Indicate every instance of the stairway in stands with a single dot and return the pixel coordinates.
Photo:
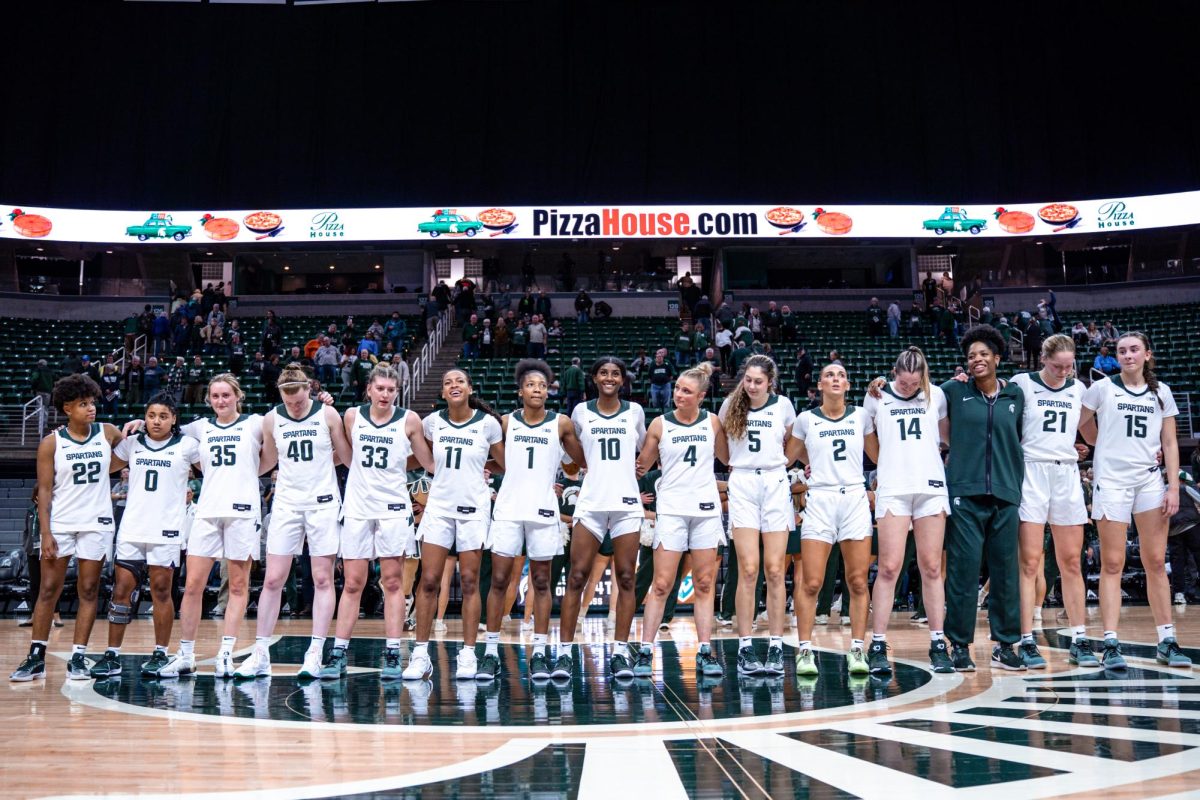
(431, 388)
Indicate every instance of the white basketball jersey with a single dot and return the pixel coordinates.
(1051, 418)
(532, 455)
(82, 498)
(766, 430)
(835, 446)
(688, 486)
(229, 458)
(1129, 430)
(306, 475)
(460, 452)
(610, 445)
(156, 506)
(377, 485)
(910, 461)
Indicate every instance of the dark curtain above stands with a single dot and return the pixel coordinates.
(131, 104)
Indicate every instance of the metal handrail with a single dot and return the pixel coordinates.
(35, 407)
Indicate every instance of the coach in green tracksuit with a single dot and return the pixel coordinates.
(984, 476)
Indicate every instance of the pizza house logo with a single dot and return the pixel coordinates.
(1114, 214)
(619, 222)
(326, 225)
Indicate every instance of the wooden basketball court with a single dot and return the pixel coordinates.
(1059, 732)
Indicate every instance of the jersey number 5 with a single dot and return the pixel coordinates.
(755, 444)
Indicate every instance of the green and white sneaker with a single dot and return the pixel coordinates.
(806, 662)
(334, 666)
(856, 662)
(643, 662)
(158, 659)
(539, 667)
(774, 664)
(77, 668)
(311, 668)
(939, 658)
(1112, 658)
(748, 663)
(877, 658)
(1169, 653)
(619, 666)
(108, 666)
(707, 663)
(32, 668)
(488, 668)
(392, 671)
(1030, 656)
(1081, 654)
(564, 667)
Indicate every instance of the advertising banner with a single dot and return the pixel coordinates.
(796, 221)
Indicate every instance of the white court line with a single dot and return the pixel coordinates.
(850, 774)
(632, 761)
(1120, 773)
(1129, 682)
(1069, 728)
(505, 755)
(1113, 697)
(1083, 708)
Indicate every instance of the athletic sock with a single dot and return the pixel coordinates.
(316, 643)
(116, 651)
(187, 647)
(491, 643)
(1079, 632)
(776, 641)
(227, 643)
(878, 637)
(1166, 631)
(646, 647)
(342, 643)
(805, 645)
(1026, 638)
(421, 649)
(856, 643)
(746, 641)
(621, 648)
(392, 644)
(705, 647)
(160, 648)
(539, 644)
(1110, 634)
(936, 636)
(78, 649)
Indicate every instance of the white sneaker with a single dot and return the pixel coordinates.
(822, 619)
(419, 668)
(1180, 600)
(1037, 614)
(845, 620)
(526, 626)
(224, 666)
(439, 625)
(311, 668)
(257, 665)
(468, 665)
(178, 665)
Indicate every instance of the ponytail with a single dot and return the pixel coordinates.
(473, 400)
(912, 361)
(701, 375)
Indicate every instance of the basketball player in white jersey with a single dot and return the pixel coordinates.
(611, 431)
(830, 439)
(227, 518)
(377, 518)
(75, 518)
(688, 513)
(307, 439)
(152, 531)
(463, 438)
(904, 443)
(757, 423)
(525, 516)
(1052, 493)
(1130, 417)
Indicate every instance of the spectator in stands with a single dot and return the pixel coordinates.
(602, 310)
(176, 379)
(1095, 337)
(1033, 343)
(503, 338)
(700, 340)
(110, 388)
(556, 330)
(929, 288)
(160, 331)
(326, 362)
(1109, 333)
(641, 363)
(804, 370)
(835, 357)
(153, 379)
(376, 329)
(402, 369)
(537, 337)
(685, 348)
(742, 333)
(296, 356)
(572, 382)
(1079, 333)
(395, 330)
(237, 354)
(71, 364)
(755, 323)
(946, 325)
(741, 352)
(216, 317)
(947, 286)
(371, 344)
(502, 300)
(723, 340)
(270, 379)
(583, 307)
(772, 322)
(41, 380)
(133, 379)
(272, 334)
(661, 375)
(441, 296)
(915, 324)
(1106, 363)
(258, 364)
(526, 306)
(725, 315)
(703, 309)
(520, 339)
(86, 367)
(813, 397)
(470, 333)
(1045, 324)
(196, 340)
(361, 373)
(197, 381)
(543, 306)
(893, 319)
(486, 339)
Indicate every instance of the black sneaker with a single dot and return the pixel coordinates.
(32, 668)
(960, 657)
(939, 659)
(1005, 657)
(564, 666)
(748, 663)
(488, 669)
(77, 668)
(107, 667)
(877, 660)
(619, 666)
(774, 663)
(157, 661)
(539, 667)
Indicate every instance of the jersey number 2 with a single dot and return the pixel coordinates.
(85, 473)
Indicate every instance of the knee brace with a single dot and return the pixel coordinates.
(119, 614)
(135, 568)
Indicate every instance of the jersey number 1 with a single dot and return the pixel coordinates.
(453, 457)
